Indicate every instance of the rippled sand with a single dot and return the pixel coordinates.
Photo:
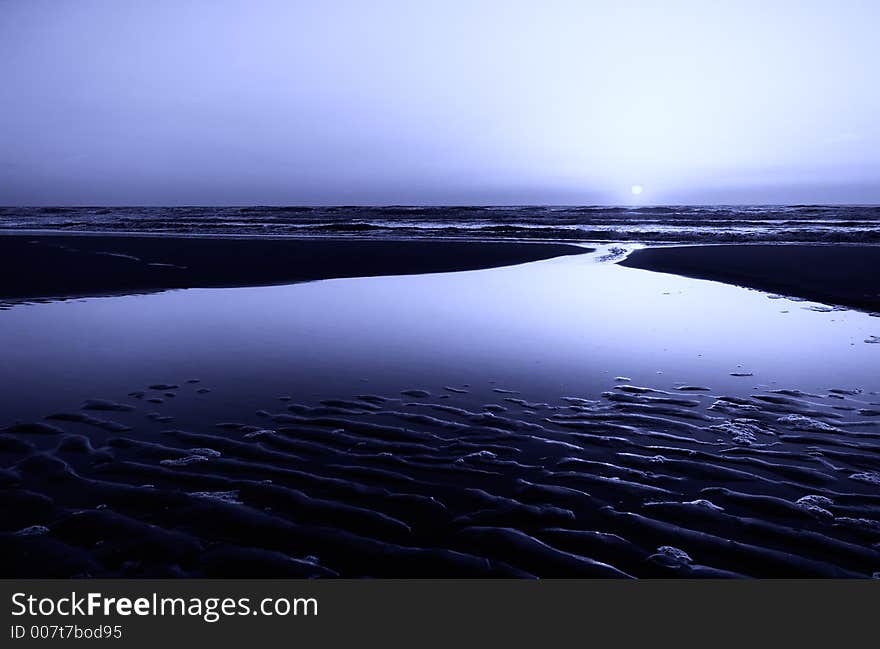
(635, 481)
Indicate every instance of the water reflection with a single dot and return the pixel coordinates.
(554, 328)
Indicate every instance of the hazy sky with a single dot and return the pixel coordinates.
(414, 101)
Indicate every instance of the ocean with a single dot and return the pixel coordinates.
(658, 224)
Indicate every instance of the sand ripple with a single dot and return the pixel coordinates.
(637, 482)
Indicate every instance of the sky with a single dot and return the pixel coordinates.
(210, 102)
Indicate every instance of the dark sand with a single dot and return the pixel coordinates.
(643, 483)
(841, 275)
(34, 266)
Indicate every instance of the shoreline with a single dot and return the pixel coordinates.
(77, 265)
(841, 275)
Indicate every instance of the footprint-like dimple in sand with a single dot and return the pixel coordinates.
(107, 405)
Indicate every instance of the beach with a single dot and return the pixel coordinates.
(845, 275)
(436, 409)
(40, 265)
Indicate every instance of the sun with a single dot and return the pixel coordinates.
(635, 190)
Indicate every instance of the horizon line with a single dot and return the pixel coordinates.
(429, 205)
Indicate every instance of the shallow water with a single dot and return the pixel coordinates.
(562, 327)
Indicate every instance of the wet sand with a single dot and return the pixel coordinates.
(33, 266)
(640, 482)
(451, 478)
(844, 275)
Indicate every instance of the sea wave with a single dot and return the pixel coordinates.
(648, 224)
